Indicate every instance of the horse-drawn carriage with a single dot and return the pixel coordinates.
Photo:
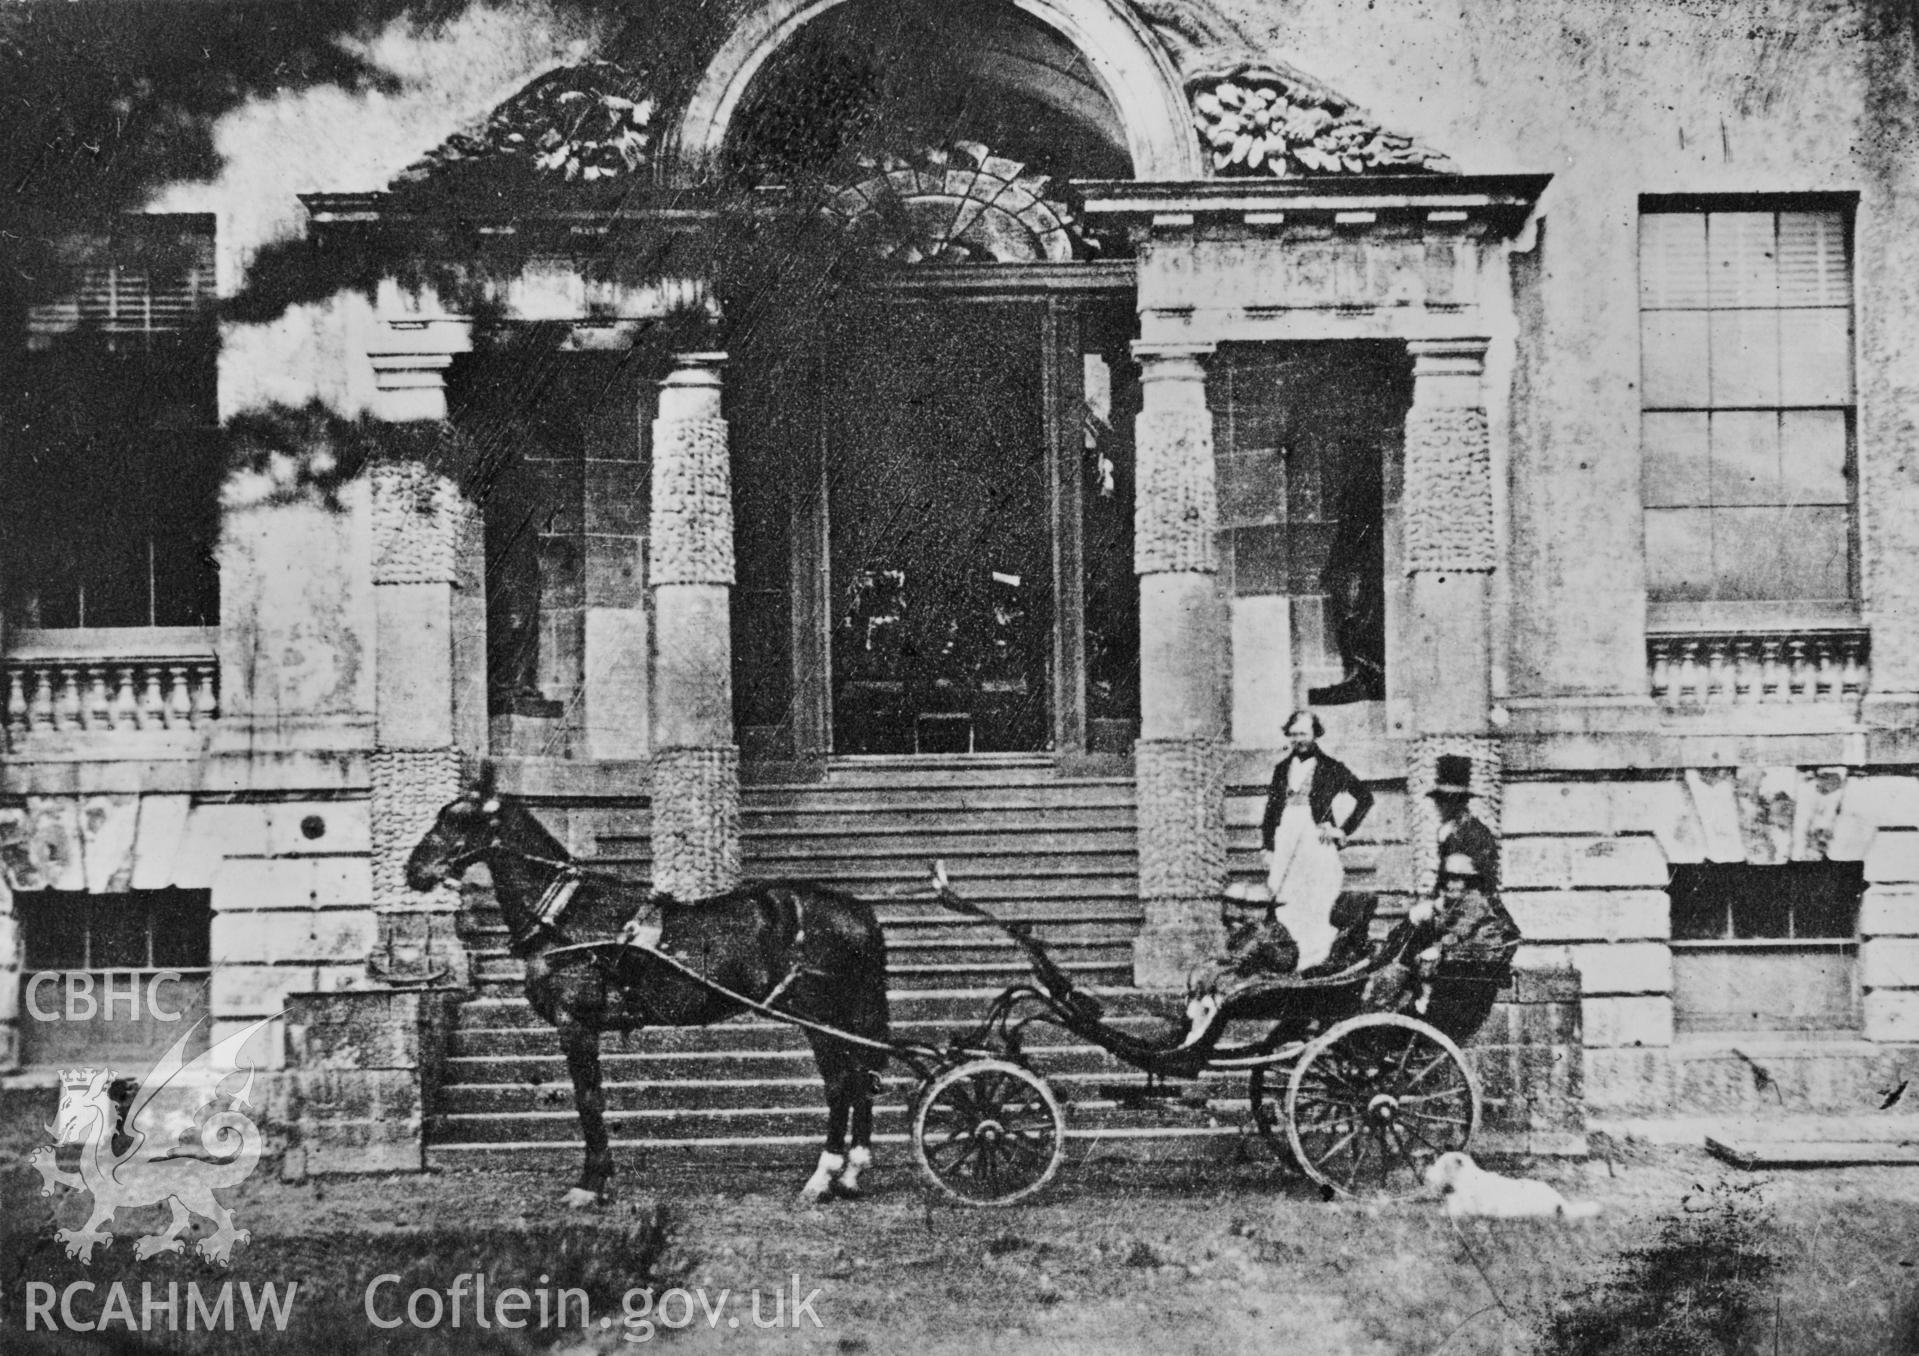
(1356, 1073)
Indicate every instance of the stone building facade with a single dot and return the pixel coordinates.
(1617, 391)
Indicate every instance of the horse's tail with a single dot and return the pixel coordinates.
(853, 961)
(950, 898)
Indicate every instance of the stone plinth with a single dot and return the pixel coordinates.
(365, 1066)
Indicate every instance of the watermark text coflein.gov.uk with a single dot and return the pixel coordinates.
(469, 1302)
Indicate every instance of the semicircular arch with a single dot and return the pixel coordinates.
(1133, 68)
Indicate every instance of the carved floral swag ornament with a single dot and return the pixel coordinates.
(1262, 119)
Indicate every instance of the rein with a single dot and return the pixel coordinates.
(571, 875)
(791, 1019)
(557, 897)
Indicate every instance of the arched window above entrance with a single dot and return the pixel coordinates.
(875, 78)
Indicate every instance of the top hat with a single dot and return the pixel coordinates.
(1455, 776)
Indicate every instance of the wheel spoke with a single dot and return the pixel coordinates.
(1407, 1155)
(1359, 1157)
(1450, 1094)
(1441, 1060)
(1411, 1130)
(967, 1154)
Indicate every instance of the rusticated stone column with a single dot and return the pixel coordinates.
(696, 764)
(1180, 767)
(1450, 553)
(421, 523)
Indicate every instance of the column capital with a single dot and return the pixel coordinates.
(1170, 361)
(696, 369)
(1460, 357)
(411, 387)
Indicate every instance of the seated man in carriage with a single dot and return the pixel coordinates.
(1465, 922)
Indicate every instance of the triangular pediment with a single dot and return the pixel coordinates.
(579, 124)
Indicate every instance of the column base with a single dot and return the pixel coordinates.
(696, 820)
(1178, 937)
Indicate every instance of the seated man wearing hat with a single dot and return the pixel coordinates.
(1466, 915)
(1458, 830)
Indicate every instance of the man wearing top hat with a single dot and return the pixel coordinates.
(1459, 832)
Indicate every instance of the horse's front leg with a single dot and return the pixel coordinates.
(581, 1043)
(834, 1071)
(860, 1157)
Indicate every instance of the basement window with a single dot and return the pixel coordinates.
(111, 978)
(1766, 949)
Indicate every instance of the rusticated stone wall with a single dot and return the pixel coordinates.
(692, 523)
(1449, 489)
(696, 820)
(1176, 514)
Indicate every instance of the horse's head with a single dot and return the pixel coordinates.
(465, 830)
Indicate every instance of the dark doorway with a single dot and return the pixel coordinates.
(940, 542)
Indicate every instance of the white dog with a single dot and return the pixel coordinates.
(1470, 1190)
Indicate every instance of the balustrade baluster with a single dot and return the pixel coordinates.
(43, 716)
(206, 701)
(1692, 678)
(1661, 676)
(97, 714)
(1853, 677)
(67, 700)
(1827, 677)
(1743, 670)
(1771, 680)
(153, 706)
(1718, 681)
(16, 700)
(1799, 680)
(179, 697)
(126, 706)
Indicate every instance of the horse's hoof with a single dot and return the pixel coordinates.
(579, 1198)
(842, 1192)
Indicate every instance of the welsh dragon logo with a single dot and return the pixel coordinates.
(183, 1136)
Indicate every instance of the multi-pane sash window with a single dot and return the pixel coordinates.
(154, 277)
(108, 435)
(1746, 402)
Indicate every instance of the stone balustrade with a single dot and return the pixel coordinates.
(75, 682)
(1729, 668)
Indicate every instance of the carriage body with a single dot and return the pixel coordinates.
(1357, 1076)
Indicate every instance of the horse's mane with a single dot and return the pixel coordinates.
(522, 821)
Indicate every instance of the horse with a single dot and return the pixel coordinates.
(808, 952)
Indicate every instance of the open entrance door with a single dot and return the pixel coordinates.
(933, 526)
(940, 538)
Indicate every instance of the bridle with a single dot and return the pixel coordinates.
(556, 898)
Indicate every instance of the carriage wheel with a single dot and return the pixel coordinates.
(1265, 1097)
(989, 1132)
(1264, 1103)
(1375, 1100)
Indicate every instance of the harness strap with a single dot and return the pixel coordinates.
(557, 897)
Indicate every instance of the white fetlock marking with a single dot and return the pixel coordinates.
(831, 1165)
(579, 1198)
(857, 1161)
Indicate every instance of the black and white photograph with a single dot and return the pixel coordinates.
(927, 677)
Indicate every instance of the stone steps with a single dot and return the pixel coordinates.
(1059, 854)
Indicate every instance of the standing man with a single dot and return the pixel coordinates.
(1309, 778)
(1314, 805)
